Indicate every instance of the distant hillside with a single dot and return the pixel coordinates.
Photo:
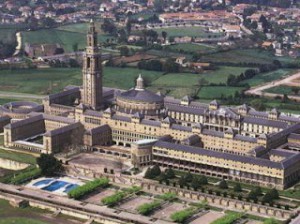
(277, 3)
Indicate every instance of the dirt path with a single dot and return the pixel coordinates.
(19, 45)
(292, 80)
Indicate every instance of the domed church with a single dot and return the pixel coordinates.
(140, 100)
(238, 143)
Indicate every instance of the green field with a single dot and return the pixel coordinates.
(39, 81)
(124, 78)
(66, 36)
(44, 81)
(7, 35)
(281, 90)
(244, 56)
(268, 77)
(189, 80)
(215, 92)
(191, 48)
(186, 31)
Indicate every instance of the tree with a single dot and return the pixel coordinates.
(108, 26)
(203, 180)
(188, 177)
(148, 173)
(252, 195)
(164, 34)
(170, 173)
(162, 177)
(285, 98)
(49, 165)
(196, 183)
(274, 193)
(237, 187)
(267, 198)
(258, 191)
(170, 66)
(156, 170)
(124, 51)
(295, 90)
(223, 184)
(181, 182)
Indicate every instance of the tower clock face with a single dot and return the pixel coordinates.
(88, 76)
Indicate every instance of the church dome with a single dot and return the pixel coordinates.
(140, 100)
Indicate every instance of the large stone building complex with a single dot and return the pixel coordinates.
(146, 128)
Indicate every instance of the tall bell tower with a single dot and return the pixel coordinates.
(92, 71)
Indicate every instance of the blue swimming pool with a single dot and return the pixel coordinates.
(55, 185)
(42, 182)
(70, 187)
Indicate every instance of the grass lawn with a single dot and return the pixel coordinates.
(17, 156)
(268, 77)
(64, 37)
(215, 92)
(245, 56)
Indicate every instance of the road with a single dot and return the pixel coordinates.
(292, 80)
(13, 95)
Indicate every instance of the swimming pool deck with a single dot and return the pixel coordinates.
(59, 191)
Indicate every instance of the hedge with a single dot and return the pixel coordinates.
(25, 176)
(87, 188)
(168, 196)
(114, 199)
(147, 208)
(229, 218)
(182, 216)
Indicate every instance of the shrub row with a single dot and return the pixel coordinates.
(29, 174)
(114, 199)
(87, 188)
(147, 208)
(182, 216)
(231, 217)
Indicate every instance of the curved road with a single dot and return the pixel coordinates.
(293, 80)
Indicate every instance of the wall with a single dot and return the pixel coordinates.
(12, 165)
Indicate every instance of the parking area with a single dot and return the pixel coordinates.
(166, 211)
(97, 197)
(133, 203)
(208, 217)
